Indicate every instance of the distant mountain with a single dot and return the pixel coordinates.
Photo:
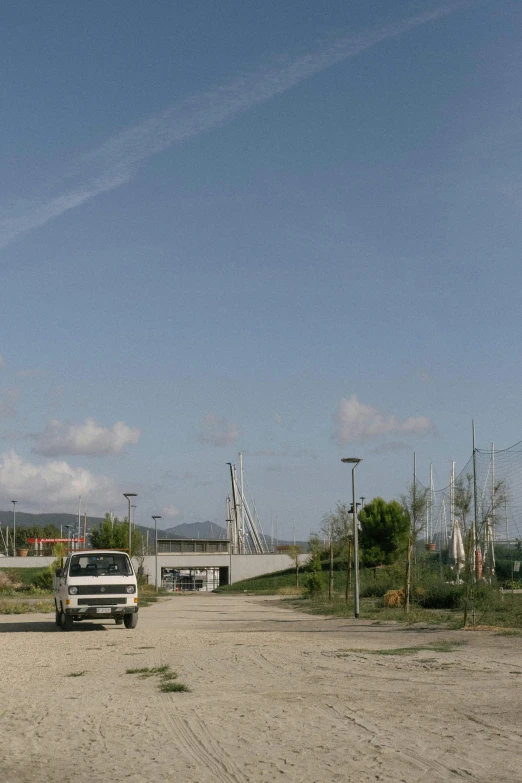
(211, 530)
(186, 530)
(60, 521)
(196, 530)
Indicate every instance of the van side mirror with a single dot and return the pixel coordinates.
(59, 572)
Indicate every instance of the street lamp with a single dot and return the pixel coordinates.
(130, 495)
(156, 551)
(133, 517)
(355, 461)
(14, 502)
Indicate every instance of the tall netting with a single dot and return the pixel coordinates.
(497, 477)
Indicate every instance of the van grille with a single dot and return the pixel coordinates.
(99, 601)
(97, 589)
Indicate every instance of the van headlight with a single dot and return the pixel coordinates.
(73, 590)
(130, 589)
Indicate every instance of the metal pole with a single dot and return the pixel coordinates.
(355, 461)
(79, 520)
(130, 495)
(474, 565)
(14, 502)
(355, 548)
(155, 518)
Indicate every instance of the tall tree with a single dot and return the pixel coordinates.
(463, 495)
(113, 534)
(384, 531)
(414, 503)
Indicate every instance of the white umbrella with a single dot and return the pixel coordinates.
(456, 548)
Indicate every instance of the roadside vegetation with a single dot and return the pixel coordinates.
(400, 580)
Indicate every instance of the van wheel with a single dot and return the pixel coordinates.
(130, 620)
(119, 620)
(66, 621)
(57, 618)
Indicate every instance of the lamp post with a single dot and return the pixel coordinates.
(133, 517)
(354, 461)
(68, 528)
(156, 551)
(130, 495)
(14, 502)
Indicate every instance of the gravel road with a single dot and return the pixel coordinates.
(275, 695)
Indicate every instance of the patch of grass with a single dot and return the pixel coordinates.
(510, 632)
(269, 584)
(169, 676)
(372, 609)
(148, 671)
(76, 674)
(24, 607)
(173, 687)
(443, 647)
(168, 679)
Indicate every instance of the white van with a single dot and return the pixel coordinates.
(96, 585)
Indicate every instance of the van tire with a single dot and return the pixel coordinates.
(130, 620)
(66, 621)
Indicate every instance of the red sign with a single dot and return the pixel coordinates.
(55, 540)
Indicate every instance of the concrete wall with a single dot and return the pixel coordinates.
(26, 562)
(242, 566)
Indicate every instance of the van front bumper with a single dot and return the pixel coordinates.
(100, 610)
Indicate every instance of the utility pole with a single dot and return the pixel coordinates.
(155, 518)
(330, 576)
(14, 502)
(475, 499)
(79, 521)
(130, 495)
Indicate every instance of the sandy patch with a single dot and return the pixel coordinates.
(276, 695)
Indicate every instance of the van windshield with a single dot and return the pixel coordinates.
(105, 564)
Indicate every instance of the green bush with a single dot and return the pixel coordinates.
(439, 596)
(314, 584)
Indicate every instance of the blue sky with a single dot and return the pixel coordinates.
(290, 229)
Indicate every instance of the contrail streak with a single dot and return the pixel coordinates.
(116, 161)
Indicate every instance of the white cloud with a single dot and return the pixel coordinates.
(356, 421)
(170, 512)
(218, 431)
(8, 408)
(54, 486)
(88, 439)
(116, 162)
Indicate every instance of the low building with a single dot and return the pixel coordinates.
(204, 564)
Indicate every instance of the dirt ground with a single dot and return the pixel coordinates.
(276, 695)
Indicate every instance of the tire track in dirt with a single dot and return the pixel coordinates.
(203, 748)
(391, 745)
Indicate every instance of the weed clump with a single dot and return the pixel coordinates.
(167, 677)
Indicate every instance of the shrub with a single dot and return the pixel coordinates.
(393, 598)
(440, 596)
(314, 584)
